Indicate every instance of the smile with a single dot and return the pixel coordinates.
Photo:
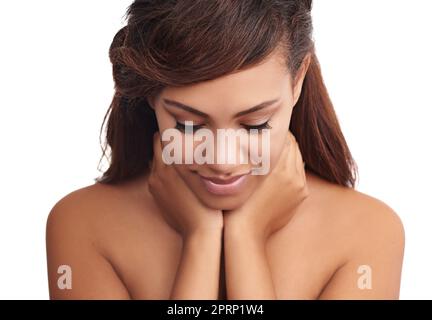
(224, 186)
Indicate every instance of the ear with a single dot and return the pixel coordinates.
(299, 78)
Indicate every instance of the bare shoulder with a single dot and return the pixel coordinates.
(100, 204)
(364, 219)
(370, 238)
(102, 208)
(85, 229)
(79, 206)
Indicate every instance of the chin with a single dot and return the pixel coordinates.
(224, 202)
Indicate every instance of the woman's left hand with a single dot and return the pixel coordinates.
(271, 206)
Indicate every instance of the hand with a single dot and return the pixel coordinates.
(181, 209)
(271, 206)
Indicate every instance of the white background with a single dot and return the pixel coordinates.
(56, 84)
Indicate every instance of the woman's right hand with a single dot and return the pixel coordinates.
(181, 208)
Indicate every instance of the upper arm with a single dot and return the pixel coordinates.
(373, 266)
(73, 258)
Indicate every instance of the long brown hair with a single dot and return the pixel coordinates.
(177, 43)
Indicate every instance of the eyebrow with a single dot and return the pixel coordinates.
(190, 109)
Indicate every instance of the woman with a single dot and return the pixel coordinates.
(151, 230)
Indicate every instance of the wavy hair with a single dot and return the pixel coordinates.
(178, 43)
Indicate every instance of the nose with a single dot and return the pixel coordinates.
(224, 168)
(229, 157)
(224, 171)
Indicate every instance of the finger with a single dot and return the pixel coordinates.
(300, 164)
(157, 152)
(290, 137)
(292, 153)
(283, 157)
(298, 159)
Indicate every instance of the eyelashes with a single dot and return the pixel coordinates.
(182, 127)
(258, 127)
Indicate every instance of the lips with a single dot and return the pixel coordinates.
(223, 181)
(219, 186)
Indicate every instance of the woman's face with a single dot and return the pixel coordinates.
(226, 103)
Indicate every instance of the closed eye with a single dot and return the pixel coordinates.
(258, 127)
(182, 126)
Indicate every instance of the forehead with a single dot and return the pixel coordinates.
(235, 91)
